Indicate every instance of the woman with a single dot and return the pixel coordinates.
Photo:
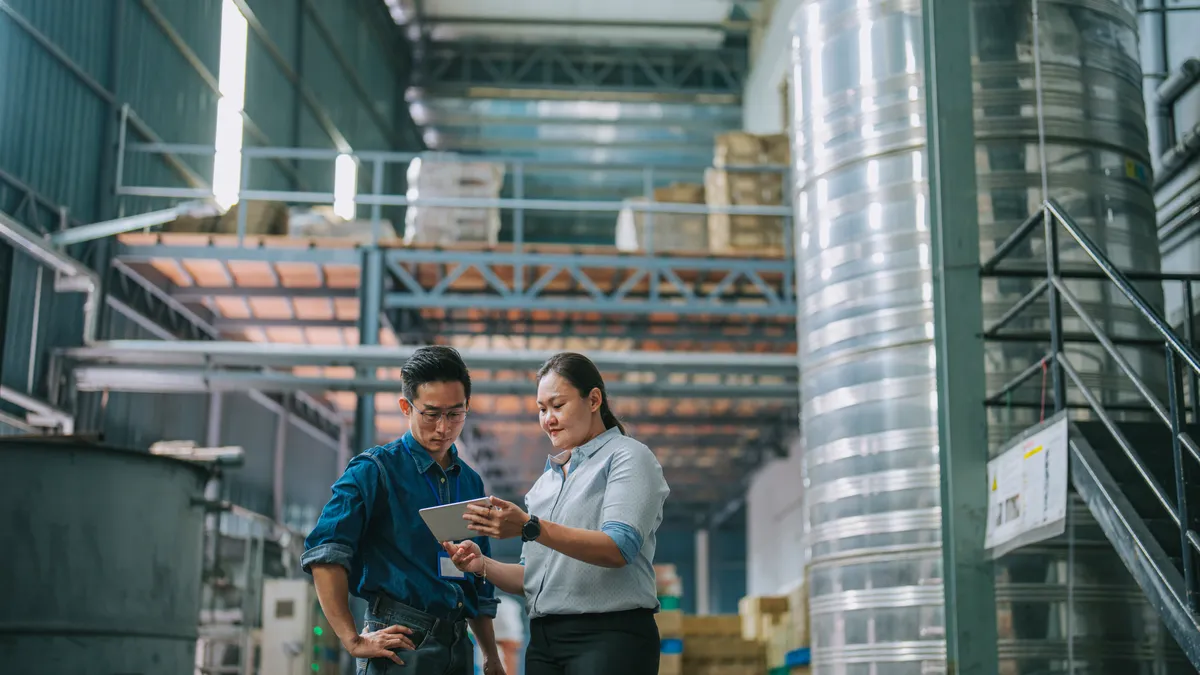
(587, 563)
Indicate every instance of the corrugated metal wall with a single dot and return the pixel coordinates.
(727, 564)
(318, 74)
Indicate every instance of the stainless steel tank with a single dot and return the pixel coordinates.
(868, 387)
(102, 559)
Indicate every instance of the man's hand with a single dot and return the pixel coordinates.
(466, 556)
(493, 665)
(379, 644)
(501, 520)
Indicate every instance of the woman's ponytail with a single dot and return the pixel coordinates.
(606, 414)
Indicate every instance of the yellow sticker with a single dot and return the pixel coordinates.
(993, 485)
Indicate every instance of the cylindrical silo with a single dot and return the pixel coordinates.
(102, 562)
(868, 386)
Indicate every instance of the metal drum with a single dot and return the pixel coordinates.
(868, 385)
(102, 563)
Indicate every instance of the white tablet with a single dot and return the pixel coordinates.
(446, 522)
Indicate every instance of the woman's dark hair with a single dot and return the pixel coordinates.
(584, 376)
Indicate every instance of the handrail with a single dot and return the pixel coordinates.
(1123, 284)
(1172, 413)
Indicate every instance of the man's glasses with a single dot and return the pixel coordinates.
(431, 417)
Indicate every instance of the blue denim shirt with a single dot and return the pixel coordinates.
(372, 528)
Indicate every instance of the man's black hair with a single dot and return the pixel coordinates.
(434, 364)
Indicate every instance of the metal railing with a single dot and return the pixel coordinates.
(637, 184)
(1174, 414)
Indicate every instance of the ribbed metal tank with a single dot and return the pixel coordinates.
(102, 561)
(868, 386)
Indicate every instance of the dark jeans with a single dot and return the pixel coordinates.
(617, 643)
(443, 647)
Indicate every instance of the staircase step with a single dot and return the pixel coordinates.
(1166, 534)
(1152, 443)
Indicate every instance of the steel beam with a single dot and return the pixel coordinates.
(201, 293)
(370, 288)
(461, 66)
(278, 495)
(204, 354)
(968, 574)
(167, 380)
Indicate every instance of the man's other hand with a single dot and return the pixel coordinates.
(379, 644)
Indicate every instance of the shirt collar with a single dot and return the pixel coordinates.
(583, 452)
(421, 456)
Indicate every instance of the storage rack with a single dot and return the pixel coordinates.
(327, 317)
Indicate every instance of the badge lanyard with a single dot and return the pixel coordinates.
(437, 496)
(445, 568)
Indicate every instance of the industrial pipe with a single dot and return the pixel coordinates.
(1174, 159)
(1178, 83)
(1154, 66)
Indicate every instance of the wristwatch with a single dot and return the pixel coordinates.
(532, 529)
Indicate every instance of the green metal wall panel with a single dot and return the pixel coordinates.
(245, 423)
(309, 472)
(66, 69)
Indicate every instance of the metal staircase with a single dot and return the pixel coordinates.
(1136, 466)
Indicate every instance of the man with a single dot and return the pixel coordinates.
(371, 540)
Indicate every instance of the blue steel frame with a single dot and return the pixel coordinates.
(454, 67)
(770, 282)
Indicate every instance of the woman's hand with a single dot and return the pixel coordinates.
(466, 556)
(501, 520)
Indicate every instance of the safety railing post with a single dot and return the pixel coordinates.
(1189, 335)
(1050, 227)
(519, 228)
(1181, 482)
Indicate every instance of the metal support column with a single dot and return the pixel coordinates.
(6, 289)
(370, 304)
(343, 450)
(703, 574)
(968, 573)
(277, 482)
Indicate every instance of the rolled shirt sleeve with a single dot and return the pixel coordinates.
(339, 529)
(634, 495)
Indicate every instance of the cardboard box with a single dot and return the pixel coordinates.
(739, 148)
(729, 233)
(670, 664)
(262, 218)
(712, 626)
(670, 623)
(668, 231)
(798, 611)
(760, 614)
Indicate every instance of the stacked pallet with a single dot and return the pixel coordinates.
(669, 619)
(726, 185)
(780, 624)
(713, 645)
(667, 231)
(446, 176)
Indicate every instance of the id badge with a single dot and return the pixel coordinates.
(446, 568)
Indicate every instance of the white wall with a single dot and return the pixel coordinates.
(775, 528)
(1182, 254)
(762, 104)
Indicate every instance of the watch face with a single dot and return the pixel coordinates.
(530, 530)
